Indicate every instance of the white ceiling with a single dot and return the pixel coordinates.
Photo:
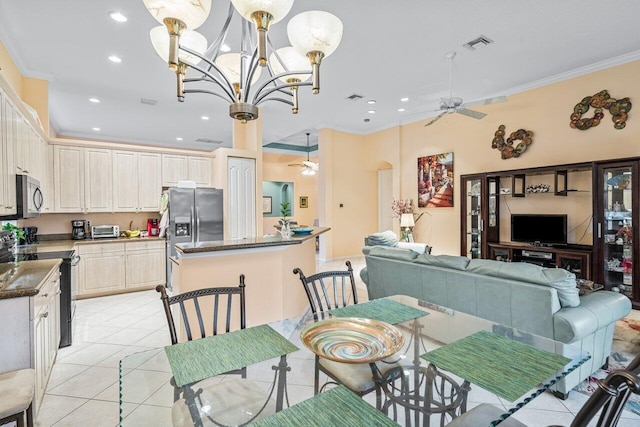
(389, 50)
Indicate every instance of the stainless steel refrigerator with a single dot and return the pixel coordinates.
(195, 215)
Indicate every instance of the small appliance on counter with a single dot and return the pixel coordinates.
(152, 227)
(105, 232)
(77, 230)
(30, 236)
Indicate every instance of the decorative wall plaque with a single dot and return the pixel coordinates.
(506, 147)
(600, 101)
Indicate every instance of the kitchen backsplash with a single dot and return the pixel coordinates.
(60, 223)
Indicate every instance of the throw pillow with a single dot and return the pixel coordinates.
(386, 238)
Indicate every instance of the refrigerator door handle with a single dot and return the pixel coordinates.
(197, 224)
(192, 229)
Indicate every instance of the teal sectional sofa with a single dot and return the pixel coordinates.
(543, 301)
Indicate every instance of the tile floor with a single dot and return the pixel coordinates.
(83, 389)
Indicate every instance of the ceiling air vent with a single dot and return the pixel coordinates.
(478, 42)
(147, 101)
(208, 141)
(355, 97)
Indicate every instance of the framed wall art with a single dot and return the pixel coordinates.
(267, 205)
(304, 201)
(435, 181)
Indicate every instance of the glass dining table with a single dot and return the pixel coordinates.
(442, 346)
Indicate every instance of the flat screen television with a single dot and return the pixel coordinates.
(539, 229)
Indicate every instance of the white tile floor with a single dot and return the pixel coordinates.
(83, 389)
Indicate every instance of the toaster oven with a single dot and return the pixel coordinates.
(105, 231)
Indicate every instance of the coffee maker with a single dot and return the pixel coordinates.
(152, 227)
(77, 229)
(30, 236)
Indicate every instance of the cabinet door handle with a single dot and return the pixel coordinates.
(599, 231)
(45, 295)
(44, 315)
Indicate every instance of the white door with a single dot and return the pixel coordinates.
(241, 193)
(385, 191)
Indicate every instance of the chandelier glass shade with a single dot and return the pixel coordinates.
(314, 35)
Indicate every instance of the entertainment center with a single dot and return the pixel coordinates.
(575, 216)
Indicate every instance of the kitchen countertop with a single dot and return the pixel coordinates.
(258, 242)
(25, 278)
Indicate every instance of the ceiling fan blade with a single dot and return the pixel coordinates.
(435, 119)
(296, 165)
(311, 165)
(470, 113)
(494, 100)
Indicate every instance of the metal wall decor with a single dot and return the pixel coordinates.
(506, 147)
(600, 101)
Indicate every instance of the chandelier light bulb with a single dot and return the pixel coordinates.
(229, 63)
(192, 13)
(193, 40)
(291, 60)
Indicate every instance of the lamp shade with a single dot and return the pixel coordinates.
(291, 61)
(192, 12)
(229, 64)
(189, 39)
(277, 8)
(406, 220)
(315, 30)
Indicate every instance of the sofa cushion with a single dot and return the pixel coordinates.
(445, 261)
(420, 248)
(393, 253)
(386, 238)
(563, 281)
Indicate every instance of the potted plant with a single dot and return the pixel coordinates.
(17, 232)
(285, 211)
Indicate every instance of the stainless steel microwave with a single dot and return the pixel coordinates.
(29, 198)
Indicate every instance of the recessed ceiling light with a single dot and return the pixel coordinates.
(96, 129)
(118, 17)
(114, 58)
(225, 48)
(94, 100)
(372, 101)
(401, 110)
(404, 99)
(371, 111)
(178, 139)
(205, 117)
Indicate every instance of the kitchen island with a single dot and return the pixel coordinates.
(273, 292)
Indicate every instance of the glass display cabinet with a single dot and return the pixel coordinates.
(617, 202)
(479, 214)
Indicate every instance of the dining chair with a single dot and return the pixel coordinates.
(326, 291)
(17, 389)
(606, 403)
(208, 312)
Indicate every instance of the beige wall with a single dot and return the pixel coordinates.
(9, 70)
(61, 223)
(275, 168)
(545, 111)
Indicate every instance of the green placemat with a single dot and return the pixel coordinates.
(383, 309)
(337, 407)
(199, 359)
(502, 366)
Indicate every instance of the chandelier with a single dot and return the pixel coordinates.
(314, 35)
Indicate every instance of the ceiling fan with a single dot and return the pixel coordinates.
(456, 105)
(307, 167)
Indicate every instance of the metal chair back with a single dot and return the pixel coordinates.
(191, 310)
(329, 289)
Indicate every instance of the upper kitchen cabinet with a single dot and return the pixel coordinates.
(98, 180)
(7, 157)
(137, 181)
(176, 168)
(68, 178)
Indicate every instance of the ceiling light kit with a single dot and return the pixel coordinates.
(314, 35)
(307, 167)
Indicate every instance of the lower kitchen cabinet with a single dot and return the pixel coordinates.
(115, 267)
(146, 264)
(31, 327)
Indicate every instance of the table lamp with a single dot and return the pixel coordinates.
(407, 223)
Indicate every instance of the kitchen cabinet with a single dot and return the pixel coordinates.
(146, 263)
(98, 180)
(7, 156)
(101, 268)
(118, 266)
(32, 333)
(137, 181)
(68, 177)
(176, 168)
(47, 183)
